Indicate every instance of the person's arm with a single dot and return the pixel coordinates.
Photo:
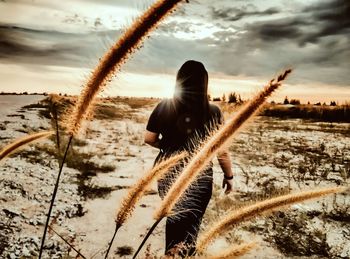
(152, 139)
(225, 164)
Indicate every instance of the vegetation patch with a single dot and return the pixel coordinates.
(293, 238)
(78, 161)
(327, 113)
(124, 250)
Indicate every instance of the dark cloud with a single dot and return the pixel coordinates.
(307, 24)
(51, 47)
(331, 18)
(277, 29)
(235, 14)
(14, 41)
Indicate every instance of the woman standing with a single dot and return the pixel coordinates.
(179, 124)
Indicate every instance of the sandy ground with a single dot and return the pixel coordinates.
(268, 151)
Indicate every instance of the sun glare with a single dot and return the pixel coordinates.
(167, 92)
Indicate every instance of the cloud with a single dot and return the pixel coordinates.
(52, 47)
(331, 18)
(253, 40)
(130, 3)
(312, 24)
(235, 13)
(278, 29)
(306, 24)
(314, 40)
(14, 42)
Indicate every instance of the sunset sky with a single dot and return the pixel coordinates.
(51, 46)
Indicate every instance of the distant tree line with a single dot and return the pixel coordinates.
(236, 99)
(231, 98)
(22, 93)
(297, 102)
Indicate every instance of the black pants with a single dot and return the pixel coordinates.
(182, 228)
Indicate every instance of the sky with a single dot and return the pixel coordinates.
(51, 46)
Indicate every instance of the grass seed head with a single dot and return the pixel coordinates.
(235, 251)
(22, 142)
(138, 190)
(254, 210)
(116, 56)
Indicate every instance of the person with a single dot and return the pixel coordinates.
(178, 124)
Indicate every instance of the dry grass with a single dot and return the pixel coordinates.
(117, 55)
(22, 142)
(235, 251)
(248, 212)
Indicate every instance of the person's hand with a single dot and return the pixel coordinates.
(228, 184)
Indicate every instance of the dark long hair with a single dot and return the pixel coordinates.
(191, 91)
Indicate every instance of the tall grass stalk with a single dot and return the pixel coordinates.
(116, 56)
(66, 241)
(206, 151)
(236, 251)
(55, 118)
(110, 63)
(138, 190)
(22, 142)
(54, 102)
(155, 224)
(269, 205)
(53, 197)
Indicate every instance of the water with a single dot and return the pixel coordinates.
(12, 103)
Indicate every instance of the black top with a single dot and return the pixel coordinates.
(181, 130)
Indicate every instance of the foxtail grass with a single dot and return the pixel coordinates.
(20, 143)
(210, 147)
(111, 62)
(236, 251)
(248, 212)
(142, 185)
(139, 189)
(117, 55)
